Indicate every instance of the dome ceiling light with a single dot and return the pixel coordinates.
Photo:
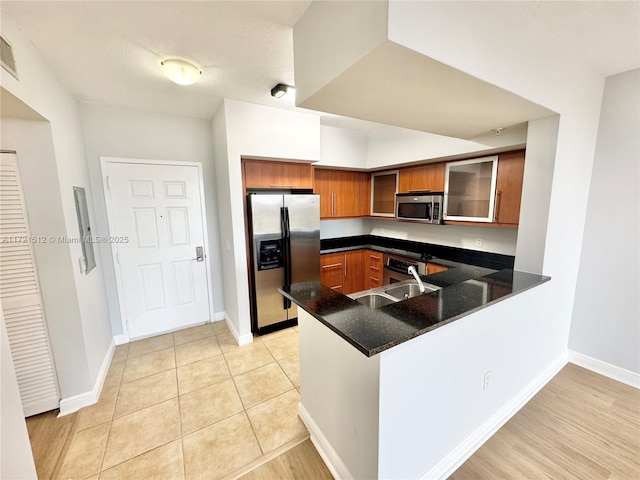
(180, 71)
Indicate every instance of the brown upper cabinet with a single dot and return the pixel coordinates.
(422, 178)
(269, 174)
(509, 187)
(342, 193)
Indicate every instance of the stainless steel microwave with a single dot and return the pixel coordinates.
(423, 207)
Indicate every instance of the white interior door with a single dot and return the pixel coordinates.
(163, 280)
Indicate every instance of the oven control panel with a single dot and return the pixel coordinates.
(400, 266)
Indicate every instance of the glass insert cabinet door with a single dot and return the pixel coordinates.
(384, 186)
(470, 189)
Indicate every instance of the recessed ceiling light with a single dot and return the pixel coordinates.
(282, 90)
(180, 71)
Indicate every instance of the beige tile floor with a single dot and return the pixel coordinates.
(190, 405)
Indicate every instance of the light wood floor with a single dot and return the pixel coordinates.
(50, 439)
(579, 426)
(302, 462)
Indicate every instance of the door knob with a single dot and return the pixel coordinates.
(199, 254)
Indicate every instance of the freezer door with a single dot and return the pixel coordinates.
(268, 259)
(304, 225)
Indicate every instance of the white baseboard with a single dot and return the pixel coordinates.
(607, 369)
(75, 403)
(218, 316)
(333, 461)
(121, 339)
(241, 339)
(454, 459)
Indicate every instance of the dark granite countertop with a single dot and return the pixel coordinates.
(374, 330)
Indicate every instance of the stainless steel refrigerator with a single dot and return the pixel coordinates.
(284, 239)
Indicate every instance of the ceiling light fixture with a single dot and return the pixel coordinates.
(180, 71)
(282, 90)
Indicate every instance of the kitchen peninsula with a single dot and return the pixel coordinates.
(384, 391)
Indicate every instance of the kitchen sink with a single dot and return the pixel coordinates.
(375, 300)
(388, 294)
(408, 290)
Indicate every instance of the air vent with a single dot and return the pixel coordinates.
(6, 57)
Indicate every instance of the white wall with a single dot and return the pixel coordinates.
(348, 227)
(606, 314)
(16, 459)
(124, 133)
(39, 89)
(429, 411)
(225, 222)
(342, 147)
(516, 47)
(339, 391)
(253, 131)
(495, 240)
(536, 193)
(368, 19)
(33, 142)
(392, 145)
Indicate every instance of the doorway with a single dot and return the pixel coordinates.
(21, 298)
(157, 233)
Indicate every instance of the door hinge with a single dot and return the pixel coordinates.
(118, 257)
(108, 184)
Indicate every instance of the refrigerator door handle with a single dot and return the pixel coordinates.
(286, 251)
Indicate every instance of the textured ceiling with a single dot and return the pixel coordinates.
(108, 52)
(604, 33)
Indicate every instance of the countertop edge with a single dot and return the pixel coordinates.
(369, 352)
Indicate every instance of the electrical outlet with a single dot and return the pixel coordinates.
(486, 379)
(478, 242)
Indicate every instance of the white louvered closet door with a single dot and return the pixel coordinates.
(21, 300)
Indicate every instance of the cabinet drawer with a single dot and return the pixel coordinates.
(332, 270)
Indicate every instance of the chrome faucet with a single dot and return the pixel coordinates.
(412, 271)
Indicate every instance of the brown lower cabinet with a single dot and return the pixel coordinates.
(373, 268)
(354, 280)
(332, 271)
(357, 270)
(344, 272)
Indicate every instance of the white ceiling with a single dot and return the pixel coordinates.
(108, 52)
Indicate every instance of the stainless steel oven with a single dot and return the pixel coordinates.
(395, 268)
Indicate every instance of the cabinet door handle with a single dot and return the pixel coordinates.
(496, 208)
(345, 269)
(282, 186)
(333, 204)
(333, 265)
(374, 268)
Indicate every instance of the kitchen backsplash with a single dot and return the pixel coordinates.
(495, 240)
